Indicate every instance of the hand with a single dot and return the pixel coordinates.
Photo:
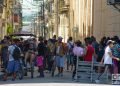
(117, 59)
(101, 62)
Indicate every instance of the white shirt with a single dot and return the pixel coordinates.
(10, 50)
(107, 58)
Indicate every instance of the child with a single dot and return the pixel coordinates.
(40, 65)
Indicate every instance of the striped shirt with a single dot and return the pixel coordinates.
(116, 50)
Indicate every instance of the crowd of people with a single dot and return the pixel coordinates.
(53, 53)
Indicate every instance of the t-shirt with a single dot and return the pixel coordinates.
(78, 51)
(40, 61)
(10, 50)
(107, 58)
(41, 49)
(89, 53)
(60, 49)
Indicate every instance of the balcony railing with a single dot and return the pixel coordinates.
(63, 6)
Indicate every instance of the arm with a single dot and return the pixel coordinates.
(102, 60)
(113, 56)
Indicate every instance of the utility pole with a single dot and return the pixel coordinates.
(56, 18)
(44, 20)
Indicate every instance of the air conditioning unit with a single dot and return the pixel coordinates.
(112, 2)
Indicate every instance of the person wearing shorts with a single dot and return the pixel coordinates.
(13, 65)
(60, 52)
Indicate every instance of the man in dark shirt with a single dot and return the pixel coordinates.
(41, 47)
(41, 52)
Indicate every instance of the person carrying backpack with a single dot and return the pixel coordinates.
(41, 53)
(70, 46)
(13, 60)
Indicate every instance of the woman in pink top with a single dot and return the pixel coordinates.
(40, 66)
(78, 51)
(89, 50)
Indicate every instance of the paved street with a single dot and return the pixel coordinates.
(47, 81)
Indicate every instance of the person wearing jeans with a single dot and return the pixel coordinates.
(78, 53)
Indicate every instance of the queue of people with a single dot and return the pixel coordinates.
(53, 53)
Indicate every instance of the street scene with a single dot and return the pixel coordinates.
(60, 42)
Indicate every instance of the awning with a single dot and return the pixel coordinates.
(23, 33)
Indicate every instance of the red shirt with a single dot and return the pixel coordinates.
(89, 53)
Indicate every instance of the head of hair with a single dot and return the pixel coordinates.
(87, 40)
(54, 36)
(110, 42)
(79, 43)
(45, 42)
(70, 39)
(41, 38)
(16, 40)
(93, 38)
(90, 41)
(116, 38)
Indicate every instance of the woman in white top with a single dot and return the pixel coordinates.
(107, 58)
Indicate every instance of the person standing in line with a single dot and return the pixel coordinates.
(13, 62)
(90, 51)
(78, 52)
(4, 54)
(70, 46)
(40, 66)
(41, 51)
(116, 53)
(60, 52)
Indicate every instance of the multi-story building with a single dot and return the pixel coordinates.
(50, 18)
(94, 17)
(82, 18)
(11, 17)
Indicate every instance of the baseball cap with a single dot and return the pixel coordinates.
(110, 42)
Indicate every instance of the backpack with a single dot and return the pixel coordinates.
(71, 48)
(16, 53)
(40, 61)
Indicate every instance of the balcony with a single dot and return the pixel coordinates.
(1, 6)
(63, 6)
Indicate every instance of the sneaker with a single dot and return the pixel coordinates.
(13, 79)
(4, 78)
(40, 76)
(61, 74)
(73, 79)
(97, 81)
(58, 75)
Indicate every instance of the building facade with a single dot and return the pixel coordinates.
(82, 18)
(106, 19)
(10, 17)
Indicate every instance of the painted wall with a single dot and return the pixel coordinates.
(106, 19)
